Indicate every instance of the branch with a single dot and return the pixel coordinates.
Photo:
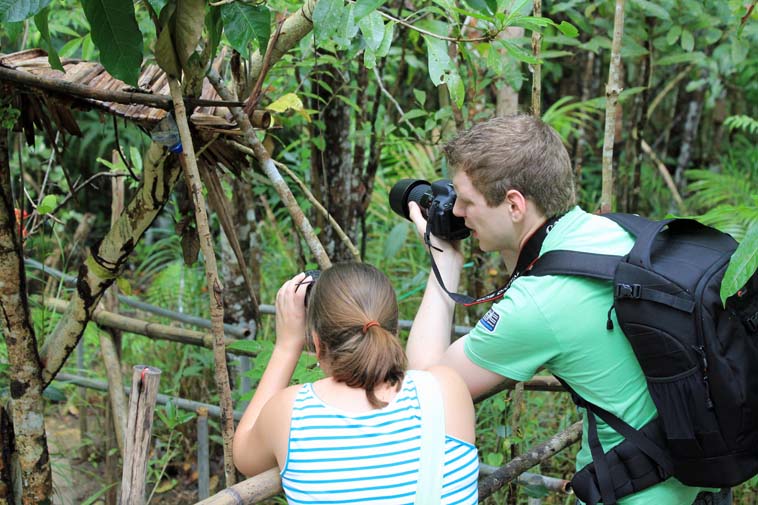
(666, 176)
(215, 289)
(89, 92)
(106, 260)
(268, 166)
(255, 97)
(533, 456)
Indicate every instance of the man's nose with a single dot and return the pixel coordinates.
(457, 209)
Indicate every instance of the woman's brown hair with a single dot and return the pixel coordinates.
(343, 308)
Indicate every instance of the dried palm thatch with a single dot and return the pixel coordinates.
(47, 99)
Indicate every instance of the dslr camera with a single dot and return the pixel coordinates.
(436, 201)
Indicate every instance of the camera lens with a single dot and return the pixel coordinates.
(409, 190)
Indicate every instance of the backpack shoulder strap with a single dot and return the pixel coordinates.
(597, 266)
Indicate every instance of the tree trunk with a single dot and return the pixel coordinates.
(612, 91)
(335, 178)
(537, 68)
(7, 445)
(26, 405)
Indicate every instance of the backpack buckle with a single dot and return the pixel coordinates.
(752, 322)
(628, 291)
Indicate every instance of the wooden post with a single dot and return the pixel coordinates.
(203, 465)
(138, 430)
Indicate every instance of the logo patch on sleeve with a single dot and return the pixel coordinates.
(490, 319)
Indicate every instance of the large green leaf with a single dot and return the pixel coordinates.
(116, 34)
(18, 10)
(329, 19)
(40, 21)
(243, 22)
(215, 28)
(187, 27)
(438, 59)
(372, 28)
(485, 6)
(743, 264)
(365, 7)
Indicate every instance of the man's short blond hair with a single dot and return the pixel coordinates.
(518, 152)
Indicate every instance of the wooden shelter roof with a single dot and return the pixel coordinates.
(46, 96)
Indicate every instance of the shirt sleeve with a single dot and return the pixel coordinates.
(512, 339)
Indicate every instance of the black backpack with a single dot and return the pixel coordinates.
(699, 357)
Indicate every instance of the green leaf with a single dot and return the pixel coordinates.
(40, 21)
(372, 28)
(455, 88)
(70, 47)
(420, 95)
(329, 19)
(652, 9)
(54, 394)
(19, 10)
(568, 29)
(742, 265)
(687, 41)
(215, 28)
(116, 34)
(673, 35)
(187, 27)
(485, 6)
(680, 58)
(438, 59)
(243, 22)
(251, 346)
(47, 205)
(365, 7)
(389, 32)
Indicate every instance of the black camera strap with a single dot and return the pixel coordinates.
(526, 259)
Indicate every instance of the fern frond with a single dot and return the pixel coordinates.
(743, 123)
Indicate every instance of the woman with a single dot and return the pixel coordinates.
(354, 436)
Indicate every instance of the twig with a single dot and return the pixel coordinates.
(72, 193)
(669, 86)
(666, 176)
(337, 228)
(486, 38)
(255, 95)
(267, 164)
(394, 102)
(120, 152)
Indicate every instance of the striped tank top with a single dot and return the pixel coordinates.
(335, 457)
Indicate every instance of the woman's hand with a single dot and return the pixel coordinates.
(290, 313)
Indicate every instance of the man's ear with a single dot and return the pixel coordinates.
(517, 204)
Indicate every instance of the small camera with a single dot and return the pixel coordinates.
(314, 274)
(436, 201)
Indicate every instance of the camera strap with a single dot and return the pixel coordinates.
(526, 259)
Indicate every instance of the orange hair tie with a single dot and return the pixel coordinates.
(369, 325)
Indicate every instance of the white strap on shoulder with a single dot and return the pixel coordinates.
(429, 490)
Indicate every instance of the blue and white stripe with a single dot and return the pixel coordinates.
(335, 457)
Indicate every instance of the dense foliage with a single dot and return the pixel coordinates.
(363, 100)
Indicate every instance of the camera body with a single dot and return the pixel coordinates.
(436, 201)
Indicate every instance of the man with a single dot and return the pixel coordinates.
(514, 185)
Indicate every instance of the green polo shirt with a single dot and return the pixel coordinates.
(559, 322)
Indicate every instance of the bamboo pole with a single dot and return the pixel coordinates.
(215, 289)
(253, 490)
(181, 403)
(151, 330)
(145, 381)
(537, 67)
(203, 465)
(612, 91)
(533, 456)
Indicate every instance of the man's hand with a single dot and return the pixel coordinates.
(446, 248)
